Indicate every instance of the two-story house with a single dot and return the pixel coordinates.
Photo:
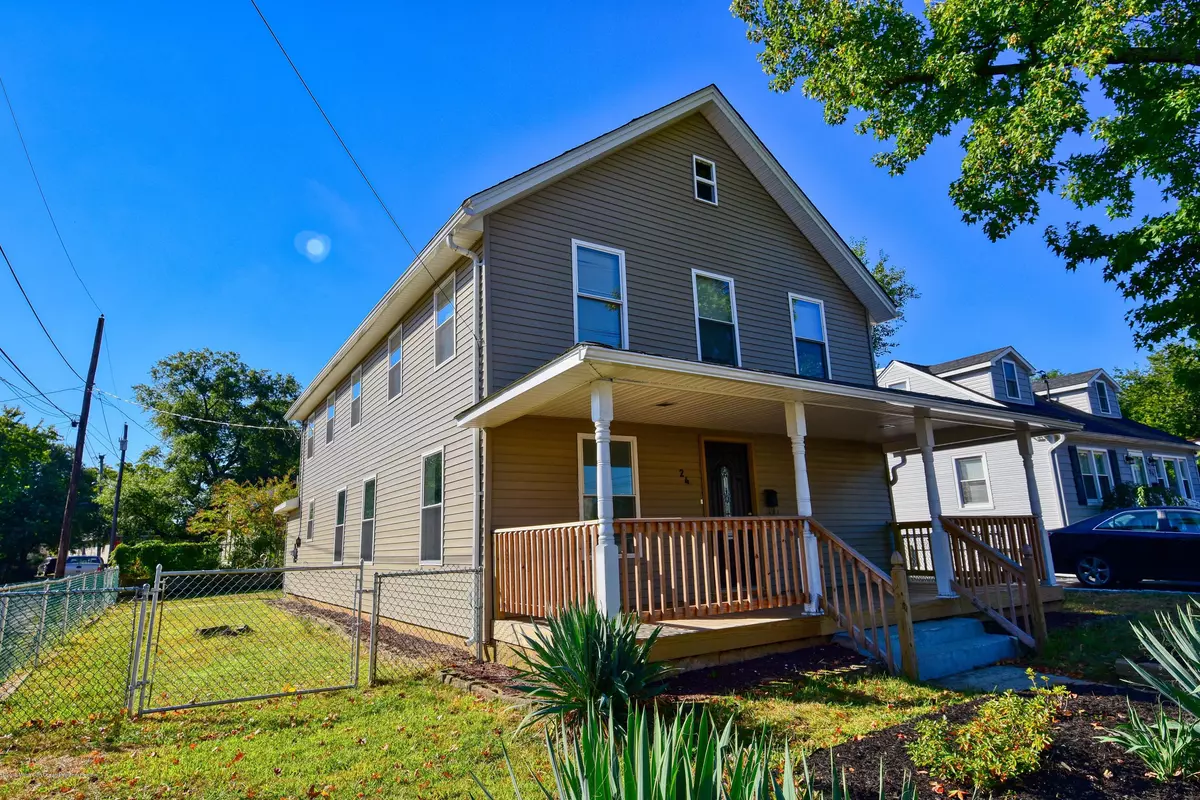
(639, 370)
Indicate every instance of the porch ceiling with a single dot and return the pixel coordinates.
(664, 391)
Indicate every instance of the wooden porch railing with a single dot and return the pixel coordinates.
(912, 541)
(1008, 535)
(1006, 591)
(542, 570)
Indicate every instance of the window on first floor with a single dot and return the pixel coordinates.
(808, 331)
(339, 526)
(974, 489)
(1137, 465)
(716, 319)
(599, 275)
(1173, 473)
(444, 302)
(432, 506)
(366, 536)
(1097, 477)
(623, 458)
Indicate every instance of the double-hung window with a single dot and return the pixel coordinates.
(704, 177)
(1012, 382)
(599, 277)
(366, 534)
(395, 370)
(356, 397)
(339, 527)
(432, 507)
(716, 318)
(310, 434)
(330, 411)
(623, 458)
(1174, 475)
(1097, 479)
(312, 519)
(974, 489)
(1137, 464)
(808, 333)
(443, 301)
(1102, 397)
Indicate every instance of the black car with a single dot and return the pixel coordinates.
(1130, 545)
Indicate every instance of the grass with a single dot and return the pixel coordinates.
(1089, 648)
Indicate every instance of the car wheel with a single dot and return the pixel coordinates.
(1094, 572)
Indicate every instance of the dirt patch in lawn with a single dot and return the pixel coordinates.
(1075, 766)
(731, 678)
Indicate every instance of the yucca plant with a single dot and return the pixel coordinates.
(584, 663)
(1176, 648)
(1168, 747)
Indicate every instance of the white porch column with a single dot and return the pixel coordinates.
(939, 542)
(797, 428)
(1025, 448)
(605, 558)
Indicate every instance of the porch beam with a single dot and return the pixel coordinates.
(1025, 448)
(939, 542)
(607, 587)
(797, 428)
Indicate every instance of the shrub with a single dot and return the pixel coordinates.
(138, 561)
(1127, 495)
(1168, 747)
(686, 757)
(586, 663)
(1006, 738)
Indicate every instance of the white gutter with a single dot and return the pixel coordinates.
(1059, 495)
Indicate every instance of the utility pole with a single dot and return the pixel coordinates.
(112, 536)
(99, 481)
(64, 536)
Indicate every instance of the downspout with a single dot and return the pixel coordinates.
(1058, 486)
(897, 467)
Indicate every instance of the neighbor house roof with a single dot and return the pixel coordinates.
(1075, 380)
(439, 255)
(967, 363)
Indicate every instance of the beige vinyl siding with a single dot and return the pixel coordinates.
(640, 200)
(535, 469)
(980, 380)
(388, 444)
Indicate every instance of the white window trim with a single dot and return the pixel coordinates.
(576, 294)
(356, 378)
(442, 556)
(451, 279)
(737, 337)
(310, 525)
(1136, 454)
(696, 179)
(792, 296)
(336, 492)
(1107, 398)
(399, 329)
(1096, 477)
(1181, 464)
(362, 489)
(1016, 379)
(310, 437)
(895, 386)
(331, 403)
(637, 486)
(987, 482)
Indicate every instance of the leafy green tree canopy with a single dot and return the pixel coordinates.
(1020, 79)
(1166, 392)
(241, 517)
(199, 385)
(153, 503)
(894, 281)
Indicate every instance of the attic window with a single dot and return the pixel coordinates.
(1012, 384)
(1102, 397)
(704, 173)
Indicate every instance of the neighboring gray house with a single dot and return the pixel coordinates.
(594, 360)
(1074, 470)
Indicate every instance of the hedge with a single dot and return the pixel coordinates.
(138, 561)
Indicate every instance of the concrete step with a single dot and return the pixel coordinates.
(950, 646)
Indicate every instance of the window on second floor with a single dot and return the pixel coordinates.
(356, 397)
(716, 319)
(599, 276)
(310, 434)
(1102, 397)
(808, 332)
(704, 176)
(395, 370)
(1012, 381)
(443, 302)
(312, 519)
(330, 411)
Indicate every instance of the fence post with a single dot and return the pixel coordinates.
(1033, 596)
(3, 625)
(149, 636)
(477, 612)
(373, 651)
(358, 593)
(904, 622)
(135, 648)
(66, 609)
(37, 644)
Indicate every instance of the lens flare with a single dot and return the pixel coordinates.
(312, 245)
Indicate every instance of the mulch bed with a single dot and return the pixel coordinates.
(732, 678)
(1076, 766)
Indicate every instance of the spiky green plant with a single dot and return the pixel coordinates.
(1176, 648)
(584, 662)
(1168, 747)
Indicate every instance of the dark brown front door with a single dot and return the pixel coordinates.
(729, 488)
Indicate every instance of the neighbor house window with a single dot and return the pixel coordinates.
(1097, 480)
(366, 535)
(443, 301)
(1102, 397)
(599, 274)
(808, 330)
(1138, 466)
(339, 526)
(395, 378)
(356, 397)
(330, 410)
(1174, 475)
(704, 173)
(1012, 382)
(716, 318)
(899, 386)
(310, 433)
(312, 519)
(623, 458)
(432, 507)
(974, 491)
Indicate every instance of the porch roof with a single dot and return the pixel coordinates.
(667, 391)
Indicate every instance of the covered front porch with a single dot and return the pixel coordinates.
(754, 507)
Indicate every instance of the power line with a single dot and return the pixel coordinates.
(45, 202)
(32, 401)
(190, 418)
(20, 372)
(21, 396)
(36, 316)
(105, 401)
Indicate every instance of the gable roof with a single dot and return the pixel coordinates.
(1074, 380)
(967, 363)
(951, 388)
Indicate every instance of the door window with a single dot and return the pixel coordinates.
(1131, 521)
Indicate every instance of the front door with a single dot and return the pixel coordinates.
(729, 488)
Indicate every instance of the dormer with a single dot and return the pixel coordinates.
(1092, 391)
(1001, 374)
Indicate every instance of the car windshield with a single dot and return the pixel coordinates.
(1131, 521)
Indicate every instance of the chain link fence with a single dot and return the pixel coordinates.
(425, 619)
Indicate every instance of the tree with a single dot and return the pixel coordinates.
(241, 516)
(1166, 392)
(35, 468)
(894, 281)
(188, 387)
(153, 504)
(1019, 78)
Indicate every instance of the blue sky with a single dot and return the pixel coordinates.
(182, 158)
